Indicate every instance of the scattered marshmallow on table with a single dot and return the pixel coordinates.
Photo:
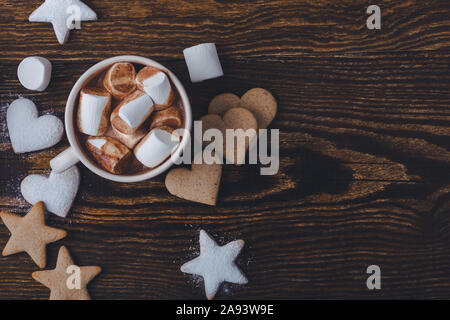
(156, 147)
(34, 73)
(57, 12)
(128, 116)
(57, 191)
(156, 84)
(29, 132)
(93, 111)
(203, 62)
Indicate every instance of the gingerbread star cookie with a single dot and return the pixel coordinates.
(67, 281)
(30, 234)
(216, 264)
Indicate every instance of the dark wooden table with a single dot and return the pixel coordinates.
(364, 119)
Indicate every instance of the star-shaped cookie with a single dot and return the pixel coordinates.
(30, 234)
(67, 281)
(216, 264)
(58, 12)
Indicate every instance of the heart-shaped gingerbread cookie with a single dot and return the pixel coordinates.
(57, 191)
(259, 101)
(234, 118)
(201, 184)
(27, 131)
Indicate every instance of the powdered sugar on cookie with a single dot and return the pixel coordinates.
(27, 131)
(57, 191)
(216, 264)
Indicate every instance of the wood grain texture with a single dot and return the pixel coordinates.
(163, 28)
(364, 123)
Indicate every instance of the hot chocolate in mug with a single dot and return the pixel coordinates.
(76, 153)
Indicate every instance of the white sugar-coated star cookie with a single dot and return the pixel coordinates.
(216, 264)
(58, 12)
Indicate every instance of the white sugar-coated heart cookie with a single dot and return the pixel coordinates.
(57, 191)
(29, 132)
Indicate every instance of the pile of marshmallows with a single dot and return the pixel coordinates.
(150, 90)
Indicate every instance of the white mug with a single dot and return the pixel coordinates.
(74, 153)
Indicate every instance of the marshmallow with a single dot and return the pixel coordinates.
(97, 143)
(170, 130)
(203, 62)
(93, 111)
(109, 153)
(156, 147)
(168, 117)
(120, 79)
(34, 73)
(130, 140)
(132, 112)
(156, 84)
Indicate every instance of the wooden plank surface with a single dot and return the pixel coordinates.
(364, 123)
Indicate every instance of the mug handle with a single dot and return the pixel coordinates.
(64, 160)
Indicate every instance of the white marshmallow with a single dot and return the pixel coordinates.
(97, 143)
(109, 153)
(130, 140)
(203, 62)
(93, 114)
(156, 147)
(136, 111)
(120, 79)
(34, 73)
(158, 88)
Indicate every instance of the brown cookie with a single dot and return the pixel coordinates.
(212, 121)
(235, 118)
(223, 102)
(201, 184)
(259, 101)
(30, 234)
(58, 279)
(263, 105)
(240, 118)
